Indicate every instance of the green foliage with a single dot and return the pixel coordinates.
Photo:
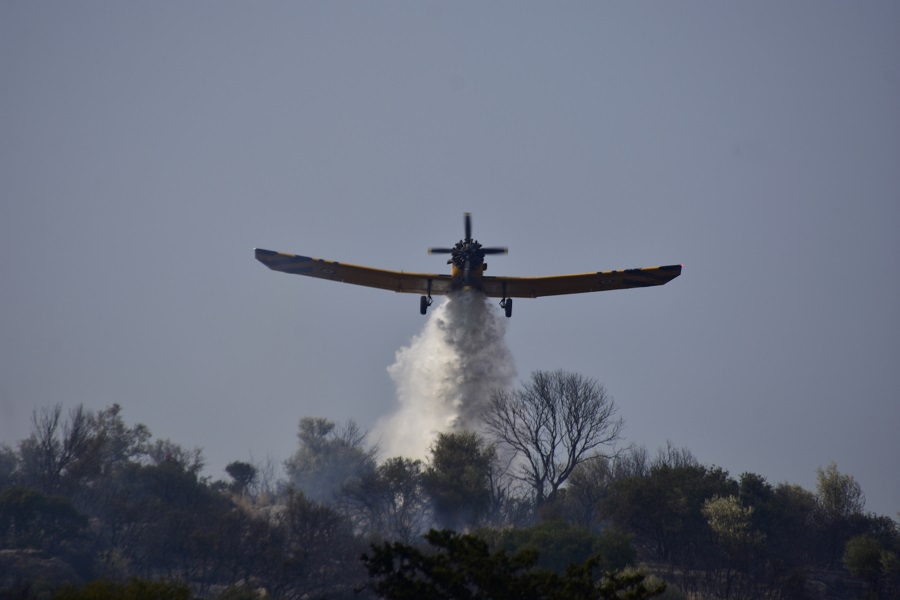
(316, 548)
(789, 525)
(458, 478)
(9, 464)
(158, 516)
(588, 487)
(890, 569)
(243, 476)
(876, 562)
(135, 589)
(462, 567)
(238, 592)
(840, 496)
(560, 545)
(52, 451)
(862, 557)
(86, 496)
(29, 519)
(67, 455)
(671, 592)
(390, 500)
(840, 504)
(732, 522)
(328, 458)
(755, 492)
(665, 509)
(166, 451)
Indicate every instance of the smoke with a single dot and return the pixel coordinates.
(446, 373)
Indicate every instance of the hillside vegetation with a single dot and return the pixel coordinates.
(540, 504)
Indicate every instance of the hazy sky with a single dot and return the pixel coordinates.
(147, 148)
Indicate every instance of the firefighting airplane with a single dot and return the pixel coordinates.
(467, 273)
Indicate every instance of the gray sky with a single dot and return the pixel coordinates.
(146, 148)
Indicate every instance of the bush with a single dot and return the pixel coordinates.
(136, 589)
(560, 545)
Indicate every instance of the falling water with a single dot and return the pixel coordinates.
(446, 373)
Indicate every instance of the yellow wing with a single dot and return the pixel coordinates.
(534, 287)
(398, 281)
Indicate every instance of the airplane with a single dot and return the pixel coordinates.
(467, 273)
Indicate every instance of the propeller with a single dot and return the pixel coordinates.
(467, 257)
(468, 246)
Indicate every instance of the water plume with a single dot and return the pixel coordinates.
(446, 373)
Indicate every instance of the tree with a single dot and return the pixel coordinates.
(317, 556)
(243, 476)
(561, 544)
(328, 458)
(462, 567)
(116, 444)
(664, 509)
(156, 518)
(732, 524)
(9, 465)
(389, 501)
(840, 496)
(73, 456)
(53, 447)
(840, 503)
(672, 456)
(166, 451)
(458, 478)
(589, 485)
(634, 461)
(793, 518)
(29, 519)
(135, 589)
(587, 488)
(110, 447)
(553, 423)
(874, 557)
(862, 557)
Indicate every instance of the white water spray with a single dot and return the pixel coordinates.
(445, 375)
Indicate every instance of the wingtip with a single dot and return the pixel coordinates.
(260, 253)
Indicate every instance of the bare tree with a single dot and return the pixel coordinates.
(48, 455)
(553, 423)
(674, 457)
